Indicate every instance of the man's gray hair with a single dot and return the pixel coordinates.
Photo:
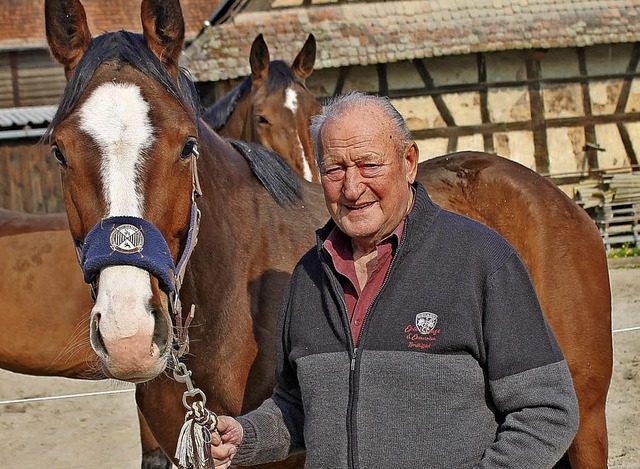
(357, 99)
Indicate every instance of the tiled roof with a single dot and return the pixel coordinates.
(22, 22)
(371, 33)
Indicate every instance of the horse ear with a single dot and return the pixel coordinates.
(303, 63)
(259, 58)
(163, 27)
(68, 34)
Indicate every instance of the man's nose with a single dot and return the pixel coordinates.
(353, 185)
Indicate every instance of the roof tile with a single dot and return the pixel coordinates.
(389, 31)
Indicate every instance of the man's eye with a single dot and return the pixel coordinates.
(334, 173)
(370, 170)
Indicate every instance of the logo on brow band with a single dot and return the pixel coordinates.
(126, 239)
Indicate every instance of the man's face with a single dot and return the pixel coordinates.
(365, 180)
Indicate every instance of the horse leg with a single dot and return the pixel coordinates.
(590, 360)
(152, 455)
(590, 446)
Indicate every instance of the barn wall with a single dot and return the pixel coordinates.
(560, 111)
(29, 78)
(29, 177)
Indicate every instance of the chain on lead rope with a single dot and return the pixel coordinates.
(193, 450)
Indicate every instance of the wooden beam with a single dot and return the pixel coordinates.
(467, 87)
(445, 132)
(342, 78)
(623, 100)
(438, 100)
(484, 102)
(383, 83)
(590, 138)
(15, 84)
(541, 150)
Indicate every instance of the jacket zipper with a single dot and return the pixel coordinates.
(352, 350)
(352, 439)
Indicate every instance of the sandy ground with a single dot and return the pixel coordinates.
(101, 431)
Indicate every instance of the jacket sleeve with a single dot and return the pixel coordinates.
(275, 429)
(529, 379)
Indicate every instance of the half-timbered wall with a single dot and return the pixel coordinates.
(560, 111)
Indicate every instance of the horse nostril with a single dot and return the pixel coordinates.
(160, 332)
(96, 337)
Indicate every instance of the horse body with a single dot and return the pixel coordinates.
(126, 140)
(272, 107)
(564, 254)
(45, 300)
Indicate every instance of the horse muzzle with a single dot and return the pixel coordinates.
(131, 327)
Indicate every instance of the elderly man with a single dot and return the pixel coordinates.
(410, 336)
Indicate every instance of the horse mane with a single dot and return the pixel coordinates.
(280, 76)
(124, 46)
(272, 171)
(217, 115)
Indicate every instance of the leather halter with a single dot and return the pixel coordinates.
(122, 240)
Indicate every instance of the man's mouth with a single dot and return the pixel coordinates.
(359, 206)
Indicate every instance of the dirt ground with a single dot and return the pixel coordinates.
(100, 431)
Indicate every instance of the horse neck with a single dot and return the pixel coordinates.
(233, 202)
(238, 213)
(225, 275)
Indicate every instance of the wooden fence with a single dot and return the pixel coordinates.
(29, 177)
(613, 201)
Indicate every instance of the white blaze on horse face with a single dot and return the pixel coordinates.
(291, 100)
(116, 116)
(291, 103)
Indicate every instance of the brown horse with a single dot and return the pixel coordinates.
(45, 306)
(126, 136)
(43, 295)
(565, 256)
(272, 107)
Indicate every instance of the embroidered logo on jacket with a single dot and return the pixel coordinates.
(426, 322)
(422, 333)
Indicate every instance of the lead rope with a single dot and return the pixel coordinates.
(193, 449)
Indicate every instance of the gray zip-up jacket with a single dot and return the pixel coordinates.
(455, 367)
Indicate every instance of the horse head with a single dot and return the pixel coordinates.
(273, 107)
(125, 136)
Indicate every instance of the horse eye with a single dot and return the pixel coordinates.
(189, 148)
(57, 154)
(262, 120)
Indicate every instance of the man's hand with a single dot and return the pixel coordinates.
(225, 445)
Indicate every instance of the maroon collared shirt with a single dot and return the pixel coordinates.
(358, 300)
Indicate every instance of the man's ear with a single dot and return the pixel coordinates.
(411, 157)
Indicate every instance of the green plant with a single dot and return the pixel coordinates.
(626, 250)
